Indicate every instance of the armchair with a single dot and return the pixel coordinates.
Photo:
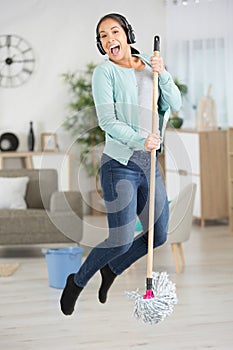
(181, 217)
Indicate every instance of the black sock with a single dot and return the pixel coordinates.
(69, 295)
(107, 280)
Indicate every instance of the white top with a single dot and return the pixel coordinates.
(145, 95)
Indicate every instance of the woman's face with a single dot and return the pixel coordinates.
(113, 39)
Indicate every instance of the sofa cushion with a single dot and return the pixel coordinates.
(34, 226)
(42, 183)
(12, 192)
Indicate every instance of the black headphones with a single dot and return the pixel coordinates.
(125, 25)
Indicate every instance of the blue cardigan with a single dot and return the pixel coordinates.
(115, 96)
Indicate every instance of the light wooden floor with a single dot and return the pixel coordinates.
(30, 317)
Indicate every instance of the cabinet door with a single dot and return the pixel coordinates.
(182, 152)
(176, 182)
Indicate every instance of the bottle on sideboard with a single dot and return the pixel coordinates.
(31, 138)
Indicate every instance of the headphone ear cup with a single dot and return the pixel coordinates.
(100, 48)
(131, 36)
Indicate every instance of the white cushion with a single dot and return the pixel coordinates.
(12, 192)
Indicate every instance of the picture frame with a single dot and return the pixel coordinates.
(49, 142)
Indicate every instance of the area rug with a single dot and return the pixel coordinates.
(8, 269)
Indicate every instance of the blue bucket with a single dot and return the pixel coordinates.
(61, 263)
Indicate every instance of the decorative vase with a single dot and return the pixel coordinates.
(31, 138)
(175, 122)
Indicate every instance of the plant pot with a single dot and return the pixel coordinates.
(175, 122)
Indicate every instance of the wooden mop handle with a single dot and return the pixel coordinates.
(155, 124)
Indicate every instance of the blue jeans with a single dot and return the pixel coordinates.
(126, 194)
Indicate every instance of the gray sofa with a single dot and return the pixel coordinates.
(51, 216)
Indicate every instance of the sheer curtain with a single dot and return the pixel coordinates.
(199, 52)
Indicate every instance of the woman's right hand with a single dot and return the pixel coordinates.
(152, 142)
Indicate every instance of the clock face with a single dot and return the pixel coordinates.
(17, 61)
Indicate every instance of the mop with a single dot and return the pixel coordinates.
(160, 297)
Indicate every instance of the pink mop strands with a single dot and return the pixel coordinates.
(157, 303)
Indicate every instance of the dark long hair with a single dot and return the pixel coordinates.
(120, 19)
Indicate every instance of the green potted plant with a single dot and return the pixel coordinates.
(82, 119)
(82, 122)
(175, 121)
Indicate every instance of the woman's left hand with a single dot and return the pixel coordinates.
(157, 64)
(152, 142)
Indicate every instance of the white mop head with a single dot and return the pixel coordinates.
(158, 308)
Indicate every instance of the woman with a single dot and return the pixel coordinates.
(122, 91)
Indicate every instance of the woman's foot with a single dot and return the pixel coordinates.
(69, 295)
(107, 280)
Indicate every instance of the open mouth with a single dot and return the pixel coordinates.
(115, 50)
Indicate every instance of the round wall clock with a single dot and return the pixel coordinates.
(17, 60)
